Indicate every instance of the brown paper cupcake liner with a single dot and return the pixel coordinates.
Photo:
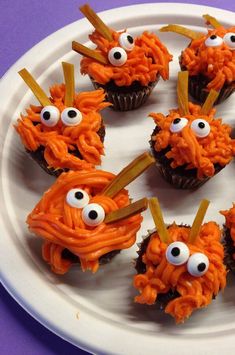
(229, 250)
(126, 98)
(180, 177)
(38, 156)
(197, 88)
(104, 259)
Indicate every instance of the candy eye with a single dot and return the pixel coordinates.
(178, 124)
(93, 214)
(200, 127)
(213, 41)
(50, 116)
(70, 116)
(177, 253)
(198, 264)
(77, 198)
(229, 39)
(117, 56)
(126, 41)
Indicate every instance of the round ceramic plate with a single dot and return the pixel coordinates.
(97, 312)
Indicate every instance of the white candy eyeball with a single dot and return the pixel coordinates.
(178, 124)
(200, 127)
(126, 41)
(177, 253)
(117, 56)
(213, 41)
(77, 198)
(198, 264)
(71, 116)
(229, 39)
(93, 214)
(50, 116)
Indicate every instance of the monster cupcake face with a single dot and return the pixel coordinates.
(189, 266)
(67, 127)
(120, 57)
(89, 214)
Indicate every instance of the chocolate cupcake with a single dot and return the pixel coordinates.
(87, 217)
(67, 131)
(190, 145)
(210, 60)
(177, 268)
(126, 68)
(229, 237)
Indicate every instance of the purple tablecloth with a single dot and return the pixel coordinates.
(24, 23)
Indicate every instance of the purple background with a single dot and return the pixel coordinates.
(23, 23)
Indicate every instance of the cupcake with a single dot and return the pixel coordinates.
(180, 268)
(127, 68)
(190, 145)
(210, 59)
(87, 217)
(66, 131)
(229, 237)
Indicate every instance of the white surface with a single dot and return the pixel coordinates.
(97, 312)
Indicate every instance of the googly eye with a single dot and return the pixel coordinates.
(50, 116)
(70, 116)
(126, 41)
(117, 56)
(93, 214)
(177, 253)
(200, 127)
(198, 264)
(77, 198)
(229, 39)
(178, 124)
(213, 41)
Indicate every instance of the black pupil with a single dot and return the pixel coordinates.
(46, 115)
(175, 251)
(213, 37)
(72, 113)
(201, 267)
(117, 55)
(201, 125)
(79, 195)
(232, 38)
(130, 39)
(92, 214)
(176, 120)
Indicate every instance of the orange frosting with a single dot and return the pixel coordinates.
(145, 61)
(230, 222)
(216, 63)
(60, 141)
(61, 226)
(161, 276)
(188, 149)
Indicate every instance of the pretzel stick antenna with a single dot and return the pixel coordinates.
(87, 52)
(128, 211)
(182, 92)
(212, 21)
(34, 87)
(181, 31)
(68, 70)
(158, 220)
(198, 220)
(128, 174)
(209, 103)
(96, 21)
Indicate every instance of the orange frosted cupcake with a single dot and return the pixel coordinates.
(180, 267)
(66, 131)
(210, 59)
(190, 145)
(127, 68)
(87, 217)
(229, 237)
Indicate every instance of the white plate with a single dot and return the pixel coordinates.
(96, 312)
